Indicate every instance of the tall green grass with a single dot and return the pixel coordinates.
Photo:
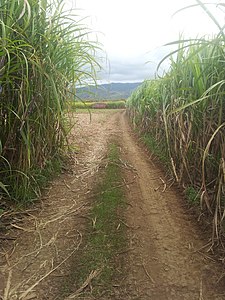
(44, 50)
(184, 111)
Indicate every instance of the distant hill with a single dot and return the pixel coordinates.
(112, 91)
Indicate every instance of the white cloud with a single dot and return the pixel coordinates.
(133, 31)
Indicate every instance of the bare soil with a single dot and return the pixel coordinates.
(166, 257)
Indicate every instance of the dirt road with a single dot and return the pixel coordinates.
(168, 257)
(165, 259)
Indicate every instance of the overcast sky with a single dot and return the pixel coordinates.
(133, 32)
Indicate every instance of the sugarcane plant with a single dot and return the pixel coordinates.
(44, 51)
(184, 113)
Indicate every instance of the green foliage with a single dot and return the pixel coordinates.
(185, 113)
(192, 195)
(74, 105)
(43, 51)
(115, 104)
(158, 149)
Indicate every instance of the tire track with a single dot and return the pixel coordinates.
(165, 262)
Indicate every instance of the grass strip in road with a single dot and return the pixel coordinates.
(106, 233)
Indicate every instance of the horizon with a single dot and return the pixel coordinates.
(113, 82)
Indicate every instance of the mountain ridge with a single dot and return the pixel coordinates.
(107, 91)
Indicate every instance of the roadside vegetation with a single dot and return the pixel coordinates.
(98, 258)
(182, 118)
(44, 51)
(107, 104)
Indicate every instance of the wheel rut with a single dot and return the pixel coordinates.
(166, 261)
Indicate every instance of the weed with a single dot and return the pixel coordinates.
(192, 195)
(156, 148)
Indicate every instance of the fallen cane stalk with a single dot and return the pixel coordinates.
(6, 291)
(68, 212)
(146, 272)
(164, 188)
(91, 276)
(200, 291)
(24, 294)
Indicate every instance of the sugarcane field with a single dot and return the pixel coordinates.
(110, 189)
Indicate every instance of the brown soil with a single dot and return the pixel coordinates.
(166, 257)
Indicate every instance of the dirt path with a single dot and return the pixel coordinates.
(163, 258)
(167, 257)
(38, 249)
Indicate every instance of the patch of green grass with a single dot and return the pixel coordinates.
(159, 150)
(192, 195)
(77, 105)
(28, 186)
(106, 232)
(51, 169)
